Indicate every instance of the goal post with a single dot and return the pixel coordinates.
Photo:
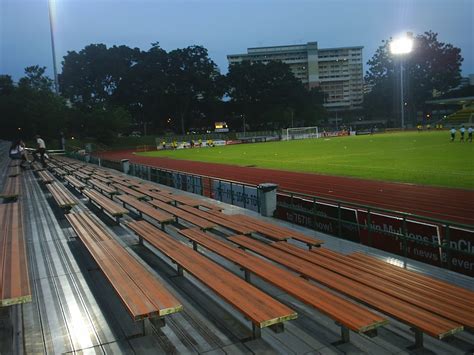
(302, 133)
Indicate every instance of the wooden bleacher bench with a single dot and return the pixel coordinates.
(129, 191)
(61, 195)
(81, 176)
(60, 172)
(280, 230)
(421, 320)
(455, 311)
(46, 177)
(189, 201)
(153, 194)
(347, 313)
(237, 219)
(140, 292)
(103, 188)
(106, 204)
(238, 228)
(186, 216)
(14, 171)
(102, 179)
(11, 189)
(145, 209)
(14, 163)
(14, 277)
(260, 308)
(77, 184)
(37, 166)
(401, 275)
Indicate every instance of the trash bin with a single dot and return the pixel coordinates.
(125, 163)
(267, 198)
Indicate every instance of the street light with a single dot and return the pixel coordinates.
(400, 47)
(51, 27)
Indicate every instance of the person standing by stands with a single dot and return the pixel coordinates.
(41, 150)
(469, 134)
(462, 130)
(453, 134)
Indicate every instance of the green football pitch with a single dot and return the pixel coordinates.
(427, 158)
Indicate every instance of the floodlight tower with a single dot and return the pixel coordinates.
(401, 47)
(51, 27)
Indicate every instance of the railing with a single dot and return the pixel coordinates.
(435, 241)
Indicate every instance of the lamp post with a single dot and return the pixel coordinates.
(400, 47)
(51, 27)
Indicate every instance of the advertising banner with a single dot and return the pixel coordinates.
(236, 194)
(462, 240)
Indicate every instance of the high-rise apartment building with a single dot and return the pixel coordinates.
(337, 71)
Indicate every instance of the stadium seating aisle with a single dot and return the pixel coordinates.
(73, 308)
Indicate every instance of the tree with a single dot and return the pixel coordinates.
(269, 94)
(35, 79)
(432, 66)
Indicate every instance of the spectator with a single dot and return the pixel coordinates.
(18, 152)
(469, 134)
(41, 150)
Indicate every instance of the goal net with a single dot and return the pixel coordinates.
(301, 133)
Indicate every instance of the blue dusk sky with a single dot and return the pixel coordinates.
(223, 27)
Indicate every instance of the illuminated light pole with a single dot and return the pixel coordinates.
(51, 27)
(400, 47)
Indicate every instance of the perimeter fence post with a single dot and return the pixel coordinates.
(448, 248)
(369, 227)
(404, 242)
(231, 195)
(339, 222)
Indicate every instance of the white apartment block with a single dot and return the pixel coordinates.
(338, 71)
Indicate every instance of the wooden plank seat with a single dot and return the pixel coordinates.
(129, 191)
(254, 304)
(37, 166)
(456, 311)
(194, 202)
(14, 162)
(153, 194)
(237, 219)
(103, 188)
(186, 216)
(60, 172)
(77, 184)
(82, 176)
(14, 277)
(395, 272)
(46, 177)
(63, 197)
(444, 291)
(281, 231)
(141, 293)
(106, 204)
(121, 182)
(238, 228)
(14, 171)
(350, 315)
(421, 320)
(102, 179)
(69, 169)
(145, 209)
(11, 188)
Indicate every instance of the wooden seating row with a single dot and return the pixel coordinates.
(145, 209)
(186, 216)
(140, 292)
(103, 188)
(14, 277)
(46, 177)
(14, 171)
(129, 191)
(11, 189)
(445, 307)
(348, 314)
(260, 308)
(420, 319)
(105, 204)
(61, 195)
(74, 182)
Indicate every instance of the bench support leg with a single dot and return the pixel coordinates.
(418, 338)
(310, 246)
(247, 275)
(345, 334)
(277, 328)
(157, 322)
(195, 246)
(140, 240)
(180, 270)
(256, 332)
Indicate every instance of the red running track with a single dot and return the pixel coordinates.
(455, 205)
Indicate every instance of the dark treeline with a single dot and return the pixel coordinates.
(106, 91)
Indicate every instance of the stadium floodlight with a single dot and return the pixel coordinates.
(402, 46)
